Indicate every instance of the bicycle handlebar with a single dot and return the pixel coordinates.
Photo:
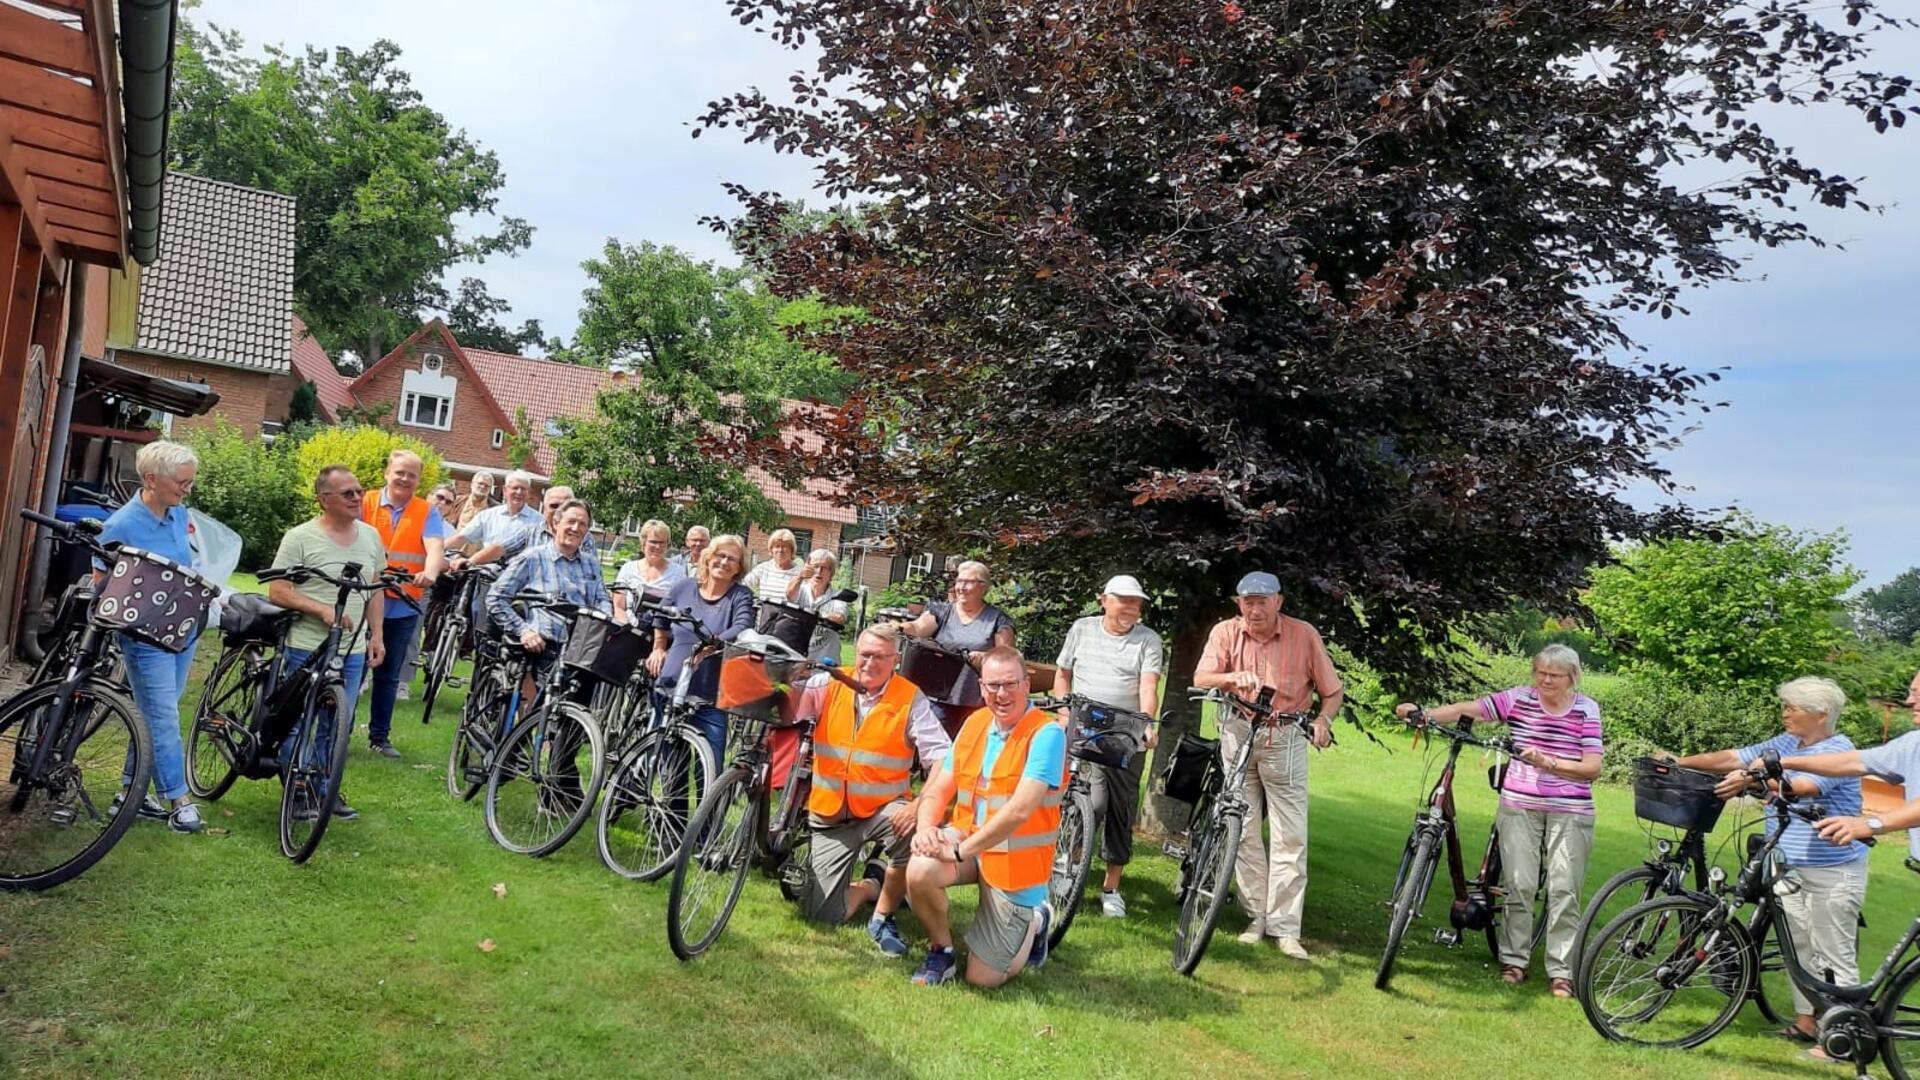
(1461, 733)
(84, 532)
(1258, 712)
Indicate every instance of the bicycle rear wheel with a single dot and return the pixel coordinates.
(311, 770)
(712, 866)
(1632, 886)
(221, 743)
(1205, 878)
(545, 779)
(53, 829)
(1772, 986)
(1899, 1020)
(1072, 862)
(446, 652)
(482, 724)
(1408, 895)
(650, 795)
(1645, 979)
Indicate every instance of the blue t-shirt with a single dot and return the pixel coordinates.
(1801, 846)
(1902, 756)
(135, 526)
(1046, 762)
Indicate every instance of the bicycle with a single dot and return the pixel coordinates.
(1690, 960)
(1214, 827)
(301, 723)
(492, 708)
(1108, 736)
(75, 759)
(1478, 902)
(448, 629)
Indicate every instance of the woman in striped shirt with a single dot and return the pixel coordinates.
(1546, 806)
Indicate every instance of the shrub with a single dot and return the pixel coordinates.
(250, 486)
(364, 450)
(1657, 710)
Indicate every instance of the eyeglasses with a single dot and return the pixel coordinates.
(1000, 687)
(725, 558)
(350, 493)
(969, 581)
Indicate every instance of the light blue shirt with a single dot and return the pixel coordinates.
(1046, 762)
(1801, 846)
(135, 526)
(1902, 756)
(434, 529)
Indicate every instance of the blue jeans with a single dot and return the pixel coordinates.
(158, 677)
(398, 634)
(354, 670)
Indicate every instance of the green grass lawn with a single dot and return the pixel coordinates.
(213, 956)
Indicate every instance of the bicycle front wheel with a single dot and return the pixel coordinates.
(55, 825)
(1628, 888)
(1772, 986)
(712, 866)
(544, 780)
(313, 762)
(446, 651)
(1899, 1021)
(650, 796)
(482, 724)
(221, 743)
(1072, 862)
(1408, 896)
(1205, 879)
(1671, 972)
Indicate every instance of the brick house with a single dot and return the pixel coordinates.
(332, 391)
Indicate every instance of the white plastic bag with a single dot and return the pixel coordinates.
(216, 548)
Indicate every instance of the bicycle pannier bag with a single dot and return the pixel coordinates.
(153, 599)
(1184, 777)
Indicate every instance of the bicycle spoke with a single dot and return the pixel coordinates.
(56, 826)
(1665, 974)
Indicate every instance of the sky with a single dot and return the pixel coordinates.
(589, 106)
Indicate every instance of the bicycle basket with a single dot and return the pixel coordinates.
(1670, 795)
(1103, 734)
(1185, 776)
(153, 599)
(757, 685)
(602, 649)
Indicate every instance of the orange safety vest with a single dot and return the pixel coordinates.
(405, 536)
(1024, 859)
(861, 770)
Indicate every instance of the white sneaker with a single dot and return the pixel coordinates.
(1113, 905)
(1254, 933)
(1290, 946)
(401, 694)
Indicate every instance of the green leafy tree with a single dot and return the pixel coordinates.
(382, 179)
(1751, 605)
(519, 445)
(474, 318)
(364, 450)
(250, 486)
(1892, 609)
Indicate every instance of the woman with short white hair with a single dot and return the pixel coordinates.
(1546, 807)
(769, 580)
(813, 589)
(968, 625)
(1823, 914)
(156, 520)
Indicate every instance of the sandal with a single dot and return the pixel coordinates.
(1512, 976)
(1791, 1033)
(1561, 988)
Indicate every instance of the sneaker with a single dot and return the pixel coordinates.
(151, 808)
(402, 695)
(1113, 905)
(384, 749)
(1037, 956)
(185, 818)
(938, 969)
(886, 935)
(341, 811)
(1290, 946)
(1254, 932)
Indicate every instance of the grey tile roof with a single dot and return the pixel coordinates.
(222, 290)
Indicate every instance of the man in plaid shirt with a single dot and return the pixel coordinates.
(563, 571)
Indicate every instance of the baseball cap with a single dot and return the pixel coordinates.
(1123, 585)
(1258, 583)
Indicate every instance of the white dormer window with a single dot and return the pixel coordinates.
(426, 396)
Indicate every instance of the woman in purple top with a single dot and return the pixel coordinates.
(724, 607)
(1546, 806)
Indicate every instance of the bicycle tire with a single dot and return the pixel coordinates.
(717, 855)
(1775, 1005)
(484, 712)
(1407, 901)
(1072, 862)
(1893, 1013)
(543, 757)
(633, 803)
(1613, 998)
(20, 721)
(312, 773)
(1203, 895)
(221, 743)
(446, 653)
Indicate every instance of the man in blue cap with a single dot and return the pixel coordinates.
(1263, 648)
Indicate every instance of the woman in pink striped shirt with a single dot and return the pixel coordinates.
(1546, 806)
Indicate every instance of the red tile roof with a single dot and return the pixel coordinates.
(813, 502)
(546, 389)
(310, 364)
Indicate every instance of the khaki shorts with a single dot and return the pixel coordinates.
(830, 867)
(1001, 930)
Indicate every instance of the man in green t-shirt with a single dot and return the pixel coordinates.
(329, 542)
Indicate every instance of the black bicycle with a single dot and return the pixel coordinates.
(1213, 830)
(449, 630)
(1674, 971)
(1097, 734)
(1478, 902)
(75, 757)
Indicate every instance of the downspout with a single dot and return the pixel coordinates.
(147, 29)
(56, 454)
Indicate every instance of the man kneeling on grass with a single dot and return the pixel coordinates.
(1004, 778)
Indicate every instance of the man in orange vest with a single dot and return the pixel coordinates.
(864, 746)
(1005, 779)
(415, 535)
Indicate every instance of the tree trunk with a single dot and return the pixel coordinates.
(1164, 817)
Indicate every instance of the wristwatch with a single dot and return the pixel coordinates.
(1876, 825)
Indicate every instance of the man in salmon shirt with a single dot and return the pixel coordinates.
(1004, 778)
(1262, 648)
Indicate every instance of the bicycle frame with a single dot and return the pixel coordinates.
(1476, 900)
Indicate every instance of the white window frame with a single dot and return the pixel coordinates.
(410, 407)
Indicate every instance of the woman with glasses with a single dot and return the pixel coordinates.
(968, 625)
(724, 607)
(652, 575)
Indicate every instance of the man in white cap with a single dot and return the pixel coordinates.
(1263, 648)
(1116, 660)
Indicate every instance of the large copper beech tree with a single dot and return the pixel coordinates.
(1330, 287)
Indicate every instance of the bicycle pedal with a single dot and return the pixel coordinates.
(63, 817)
(455, 681)
(1174, 851)
(1448, 936)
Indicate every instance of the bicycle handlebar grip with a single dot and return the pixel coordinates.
(41, 519)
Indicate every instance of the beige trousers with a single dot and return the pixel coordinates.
(1272, 882)
(1824, 919)
(1563, 842)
